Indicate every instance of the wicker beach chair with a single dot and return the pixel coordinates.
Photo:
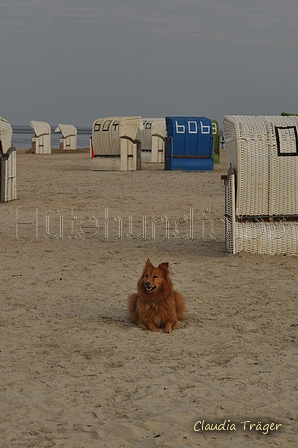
(113, 145)
(261, 200)
(216, 141)
(8, 178)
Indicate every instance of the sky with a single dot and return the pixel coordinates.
(74, 61)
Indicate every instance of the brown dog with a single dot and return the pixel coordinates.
(156, 304)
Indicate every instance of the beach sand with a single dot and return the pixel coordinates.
(75, 372)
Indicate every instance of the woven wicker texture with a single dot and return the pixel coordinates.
(263, 152)
(8, 176)
(267, 238)
(255, 235)
(230, 212)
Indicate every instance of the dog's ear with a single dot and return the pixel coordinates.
(148, 263)
(164, 267)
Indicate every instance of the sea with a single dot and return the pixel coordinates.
(22, 135)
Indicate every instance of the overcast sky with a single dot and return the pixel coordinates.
(73, 61)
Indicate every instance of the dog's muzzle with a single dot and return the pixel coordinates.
(148, 287)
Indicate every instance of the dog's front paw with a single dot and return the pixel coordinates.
(154, 329)
(168, 329)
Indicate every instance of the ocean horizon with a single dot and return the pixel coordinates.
(22, 135)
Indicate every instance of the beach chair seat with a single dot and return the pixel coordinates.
(152, 136)
(8, 176)
(8, 185)
(189, 144)
(41, 142)
(216, 141)
(69, 140)
(113, 144)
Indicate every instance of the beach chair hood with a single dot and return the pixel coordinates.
(40, 128)
(66, 130)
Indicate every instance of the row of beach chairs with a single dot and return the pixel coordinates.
(261, 186)
(124, 143)
(41, 142)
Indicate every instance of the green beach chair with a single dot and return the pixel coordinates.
(216, 146)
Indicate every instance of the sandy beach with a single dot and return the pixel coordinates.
(75, 372)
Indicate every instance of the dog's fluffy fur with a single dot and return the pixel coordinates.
(156, 304)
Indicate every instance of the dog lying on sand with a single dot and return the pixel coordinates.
(156, 305)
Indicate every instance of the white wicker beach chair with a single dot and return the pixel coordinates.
(262, 184)
(113, 145)
(8, 184)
